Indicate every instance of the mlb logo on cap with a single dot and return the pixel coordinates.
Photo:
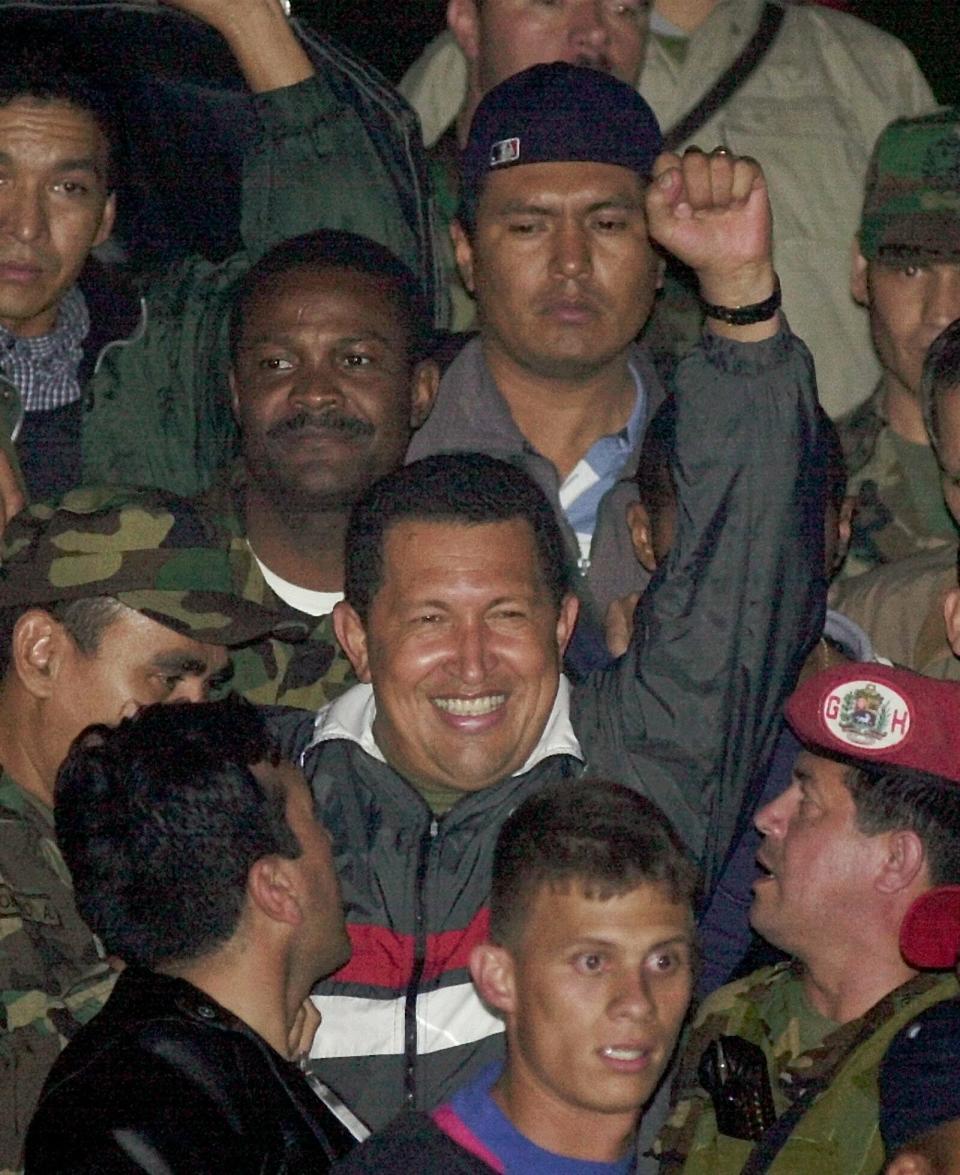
(506, 151)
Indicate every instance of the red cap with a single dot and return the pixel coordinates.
(930, 931)
(880, 714)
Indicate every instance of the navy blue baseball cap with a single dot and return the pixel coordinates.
(557, 113)
(919, 1089)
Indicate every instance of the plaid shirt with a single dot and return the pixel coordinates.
(44, 369)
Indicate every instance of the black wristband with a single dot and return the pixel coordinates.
(745, 315)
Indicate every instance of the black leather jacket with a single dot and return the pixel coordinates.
(164, 1081)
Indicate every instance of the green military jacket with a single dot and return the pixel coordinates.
(899, 508)
(307, 674)
(53, 976)
(157, 410)
(839, 1134)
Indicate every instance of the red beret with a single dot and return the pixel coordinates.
(881, 715)
(930, 931)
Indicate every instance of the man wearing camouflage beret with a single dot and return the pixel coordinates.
(906, 272)
(113, 600)
(779, 1073)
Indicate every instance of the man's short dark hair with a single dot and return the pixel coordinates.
(85, 621)
(466, 488)
(928, 805)
(600, 836)
(160, 820)
(941, 373)
(336, 249)
(36, 71)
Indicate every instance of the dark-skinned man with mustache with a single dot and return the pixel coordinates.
(327, 334)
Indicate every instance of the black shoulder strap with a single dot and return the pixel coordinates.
(730, 80)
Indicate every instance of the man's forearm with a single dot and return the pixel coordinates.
(260, 39)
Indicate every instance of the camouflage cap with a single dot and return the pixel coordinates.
(911, 211)
(153, 551)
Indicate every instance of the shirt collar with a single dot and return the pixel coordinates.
(351, 717)
(69, 330)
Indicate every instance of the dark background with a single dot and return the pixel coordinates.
(392, 33)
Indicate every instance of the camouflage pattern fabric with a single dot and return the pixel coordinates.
(307, 673)
(911, 210)
(839, 1134)
(899, 508)
(151, 550)
(52, 974)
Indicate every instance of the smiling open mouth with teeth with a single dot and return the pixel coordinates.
(470, 707)
(624, 1054)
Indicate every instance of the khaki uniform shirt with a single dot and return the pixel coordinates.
(900, 607)
(810, 114)
(53, 977)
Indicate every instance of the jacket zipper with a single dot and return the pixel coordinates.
(419, 959)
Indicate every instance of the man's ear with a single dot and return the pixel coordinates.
(234, 395)
(40, 644)
(567, 621)
(859, 286)
(271, 888)
(904, 863)
(845, 526)
(492, 972)
(463, 251)
(463, 22)
(426, 380)
(951, 618)
(107, 218)
(352, 636)
(910, 1163)
(641, 535)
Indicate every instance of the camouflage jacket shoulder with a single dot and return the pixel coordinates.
(899, 501)
(839, 1133)
(307, 674)
(52, 974)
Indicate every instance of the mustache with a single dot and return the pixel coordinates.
(328, 420)
(601, 62)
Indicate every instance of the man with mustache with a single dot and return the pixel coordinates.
(100, 386)
(869, 823)
(327, 337)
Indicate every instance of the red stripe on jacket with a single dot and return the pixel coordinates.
(384, 958)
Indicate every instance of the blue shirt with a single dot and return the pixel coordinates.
(598, 471)
(475, 1107)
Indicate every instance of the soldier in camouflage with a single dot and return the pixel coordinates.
(906, 272)
(779, 1073)
(112, 600)
(328, 375)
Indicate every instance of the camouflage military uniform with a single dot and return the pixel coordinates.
(900, 507)
(52, 974)
(839, 1134)
(307, 673)
(155, 553)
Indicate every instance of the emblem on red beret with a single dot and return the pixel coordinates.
(867, 716)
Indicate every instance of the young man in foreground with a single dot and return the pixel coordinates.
(589, 961)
